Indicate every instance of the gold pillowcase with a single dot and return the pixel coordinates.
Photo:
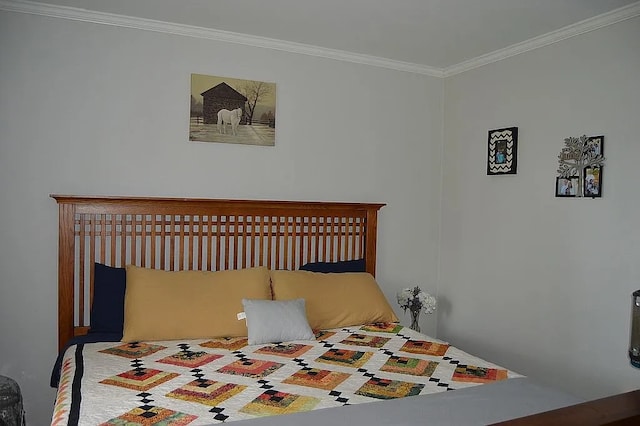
(334, 300)
(163, 305)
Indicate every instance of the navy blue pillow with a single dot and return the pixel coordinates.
(342, 266)
(107, 309)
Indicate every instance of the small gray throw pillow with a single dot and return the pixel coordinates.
(275, 321)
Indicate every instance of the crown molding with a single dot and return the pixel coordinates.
(603, 20)
(76, 14)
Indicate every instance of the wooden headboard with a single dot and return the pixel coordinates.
(199, 234)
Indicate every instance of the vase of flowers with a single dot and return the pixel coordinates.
(416, 301)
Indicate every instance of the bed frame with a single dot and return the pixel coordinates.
(199, 234)
(616, 410)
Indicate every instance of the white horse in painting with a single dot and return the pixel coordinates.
(229, 117)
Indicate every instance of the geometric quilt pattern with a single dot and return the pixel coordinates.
(140, 379)
(425, 347)
(61, 408)
(366, 340)
(317, 378)
(412, 366)
(383, 327)
(190, 359)
(207, 392)
(150, 415)
(345, 357)
(272, 402)
(470, 373)
(323, 334)
(255, 368)
(209, 381)
(228, 343)
(133, 350)
(389, 389)
(292, 350)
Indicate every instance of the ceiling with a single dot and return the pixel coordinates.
(432, 33)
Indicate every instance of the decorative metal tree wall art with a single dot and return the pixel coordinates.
(582, 157)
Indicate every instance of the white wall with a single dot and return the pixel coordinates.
(91, 109)
(536, 283)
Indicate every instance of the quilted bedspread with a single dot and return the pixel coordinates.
(211, 381)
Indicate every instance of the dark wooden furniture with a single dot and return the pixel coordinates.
(199, 234)
(617, 410)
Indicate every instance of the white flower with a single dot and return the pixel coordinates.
(415, 299)
(429, 304)
(404, 296)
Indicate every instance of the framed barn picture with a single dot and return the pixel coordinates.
(232, 110)
(502, 151)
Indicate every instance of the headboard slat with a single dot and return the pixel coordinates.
(203, 234)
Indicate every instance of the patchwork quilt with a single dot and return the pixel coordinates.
(211, 381)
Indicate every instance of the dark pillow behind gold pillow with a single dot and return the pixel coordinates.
(162, 305)
(335, 299)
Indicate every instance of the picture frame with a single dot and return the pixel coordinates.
(567, 186)
(592, 182)
(502, 151)
(232, 110)
(595, 144)
(583, 158)
(593, 175)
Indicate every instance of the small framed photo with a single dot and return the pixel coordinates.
(593, 182)
(502, 151)
(595, 145)
(567, 186)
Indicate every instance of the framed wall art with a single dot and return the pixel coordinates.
(593, 181)
(567, 186)
(502, 151)
(583, 157)
(232, 110)
(593, 174)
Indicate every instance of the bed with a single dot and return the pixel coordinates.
(294, 328)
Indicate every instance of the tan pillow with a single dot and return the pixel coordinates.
(162, 305)
(334, 300)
